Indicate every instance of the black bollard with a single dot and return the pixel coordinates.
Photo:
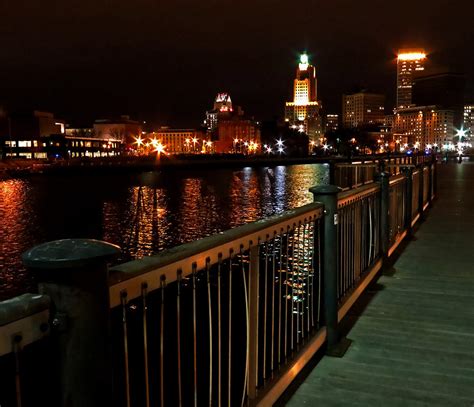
(74, 274)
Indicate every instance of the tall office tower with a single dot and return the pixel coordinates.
(363, 108)
(409, 63)
(469, 119)
(303, 113)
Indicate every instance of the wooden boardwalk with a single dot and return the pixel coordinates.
(413, 330)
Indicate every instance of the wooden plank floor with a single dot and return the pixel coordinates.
(413, 330)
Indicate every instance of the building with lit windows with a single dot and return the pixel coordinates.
(222, 110)
(363, 108)
(228, 129)
(27, 132)
(332, 122)
(469, 119)
(304, 111)
(410, 62)
(178, 141)
(421, 126)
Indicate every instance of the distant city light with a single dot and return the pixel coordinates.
(280, 143)
(411, 56)
(138, 141)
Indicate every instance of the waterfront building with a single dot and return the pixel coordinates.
(25, 133)
(444, 89)
(363, 108)
(468, 124)
(303, 113)
(422, 126)
(332, 122)
(228, 129)
(79, 131)
(410, 62)
(238, 135)
(178, 141)
(123, 129)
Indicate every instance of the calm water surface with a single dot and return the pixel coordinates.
(143, 213)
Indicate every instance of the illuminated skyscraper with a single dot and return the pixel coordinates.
(409, 62)
(469, 119)
(303, 113)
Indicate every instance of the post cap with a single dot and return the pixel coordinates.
(69, 253)
(325, 190)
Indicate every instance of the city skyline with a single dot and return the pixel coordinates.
(152, 60)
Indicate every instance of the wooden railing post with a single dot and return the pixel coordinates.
(327, 195)
(74, 274)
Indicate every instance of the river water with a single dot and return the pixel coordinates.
(142, 213)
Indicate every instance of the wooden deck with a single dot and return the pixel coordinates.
(413, 330)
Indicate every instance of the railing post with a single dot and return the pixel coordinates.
(434, 178)
(420, 193)
(384, 180)
(409, 199)
(327, 195)
(74, 274)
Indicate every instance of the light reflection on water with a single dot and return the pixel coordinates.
(142, 213)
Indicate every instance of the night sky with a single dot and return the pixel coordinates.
(164, 61)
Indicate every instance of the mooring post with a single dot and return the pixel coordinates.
(74, 274)
(327, 195)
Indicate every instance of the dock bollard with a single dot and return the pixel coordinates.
(74, 274)
(327, 195)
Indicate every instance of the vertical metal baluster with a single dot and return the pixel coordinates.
(229, 372)
(145, 342)
(162, 341)
(298, 254)
(194, 267)
(280, 278)
(219, 332)
(208, 260)
(292, 287)
(319, 272)
(272, 349)
(16, 351)
(178, 332)
(123, 300)
(265, 307)
(309, 274)
(286, 289)
(246, 376)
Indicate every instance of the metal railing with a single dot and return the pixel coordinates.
(229, 319)
(228, 310)
(24, 325)
(358, 233)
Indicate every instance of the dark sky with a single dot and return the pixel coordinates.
(164, 61)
